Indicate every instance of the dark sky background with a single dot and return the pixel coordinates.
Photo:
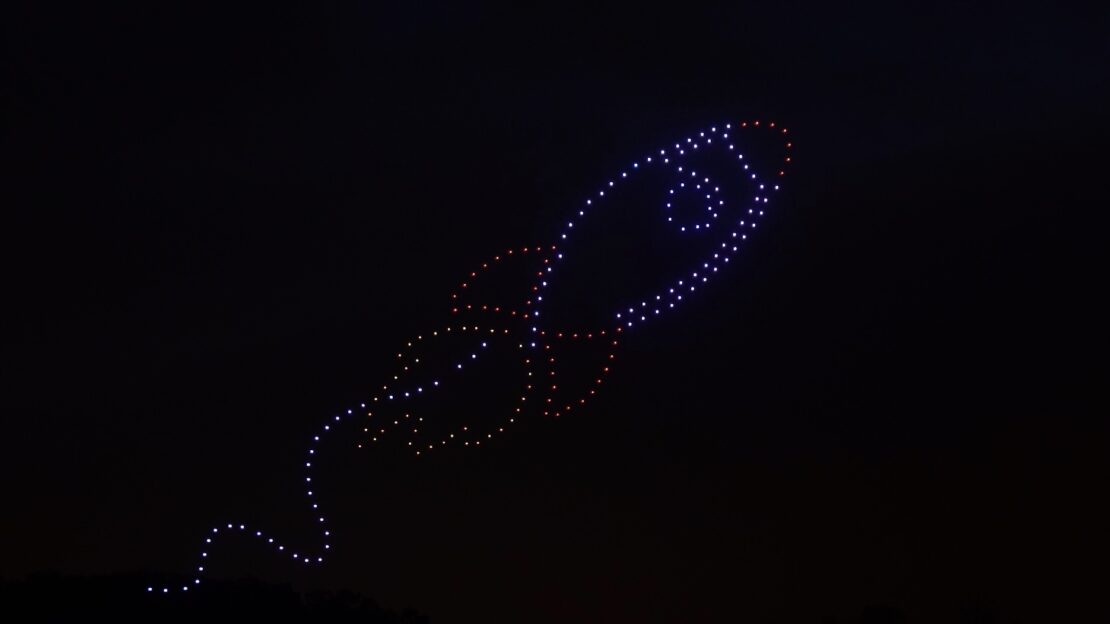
(220, 223)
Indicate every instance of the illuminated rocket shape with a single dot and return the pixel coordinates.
(533, 317)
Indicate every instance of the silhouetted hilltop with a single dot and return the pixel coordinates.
(55, 598)
(121, 598)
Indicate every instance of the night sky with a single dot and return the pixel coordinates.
(220, 225)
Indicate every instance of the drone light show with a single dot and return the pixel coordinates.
(704, 195)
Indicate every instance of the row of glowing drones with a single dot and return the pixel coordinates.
(518, 323)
